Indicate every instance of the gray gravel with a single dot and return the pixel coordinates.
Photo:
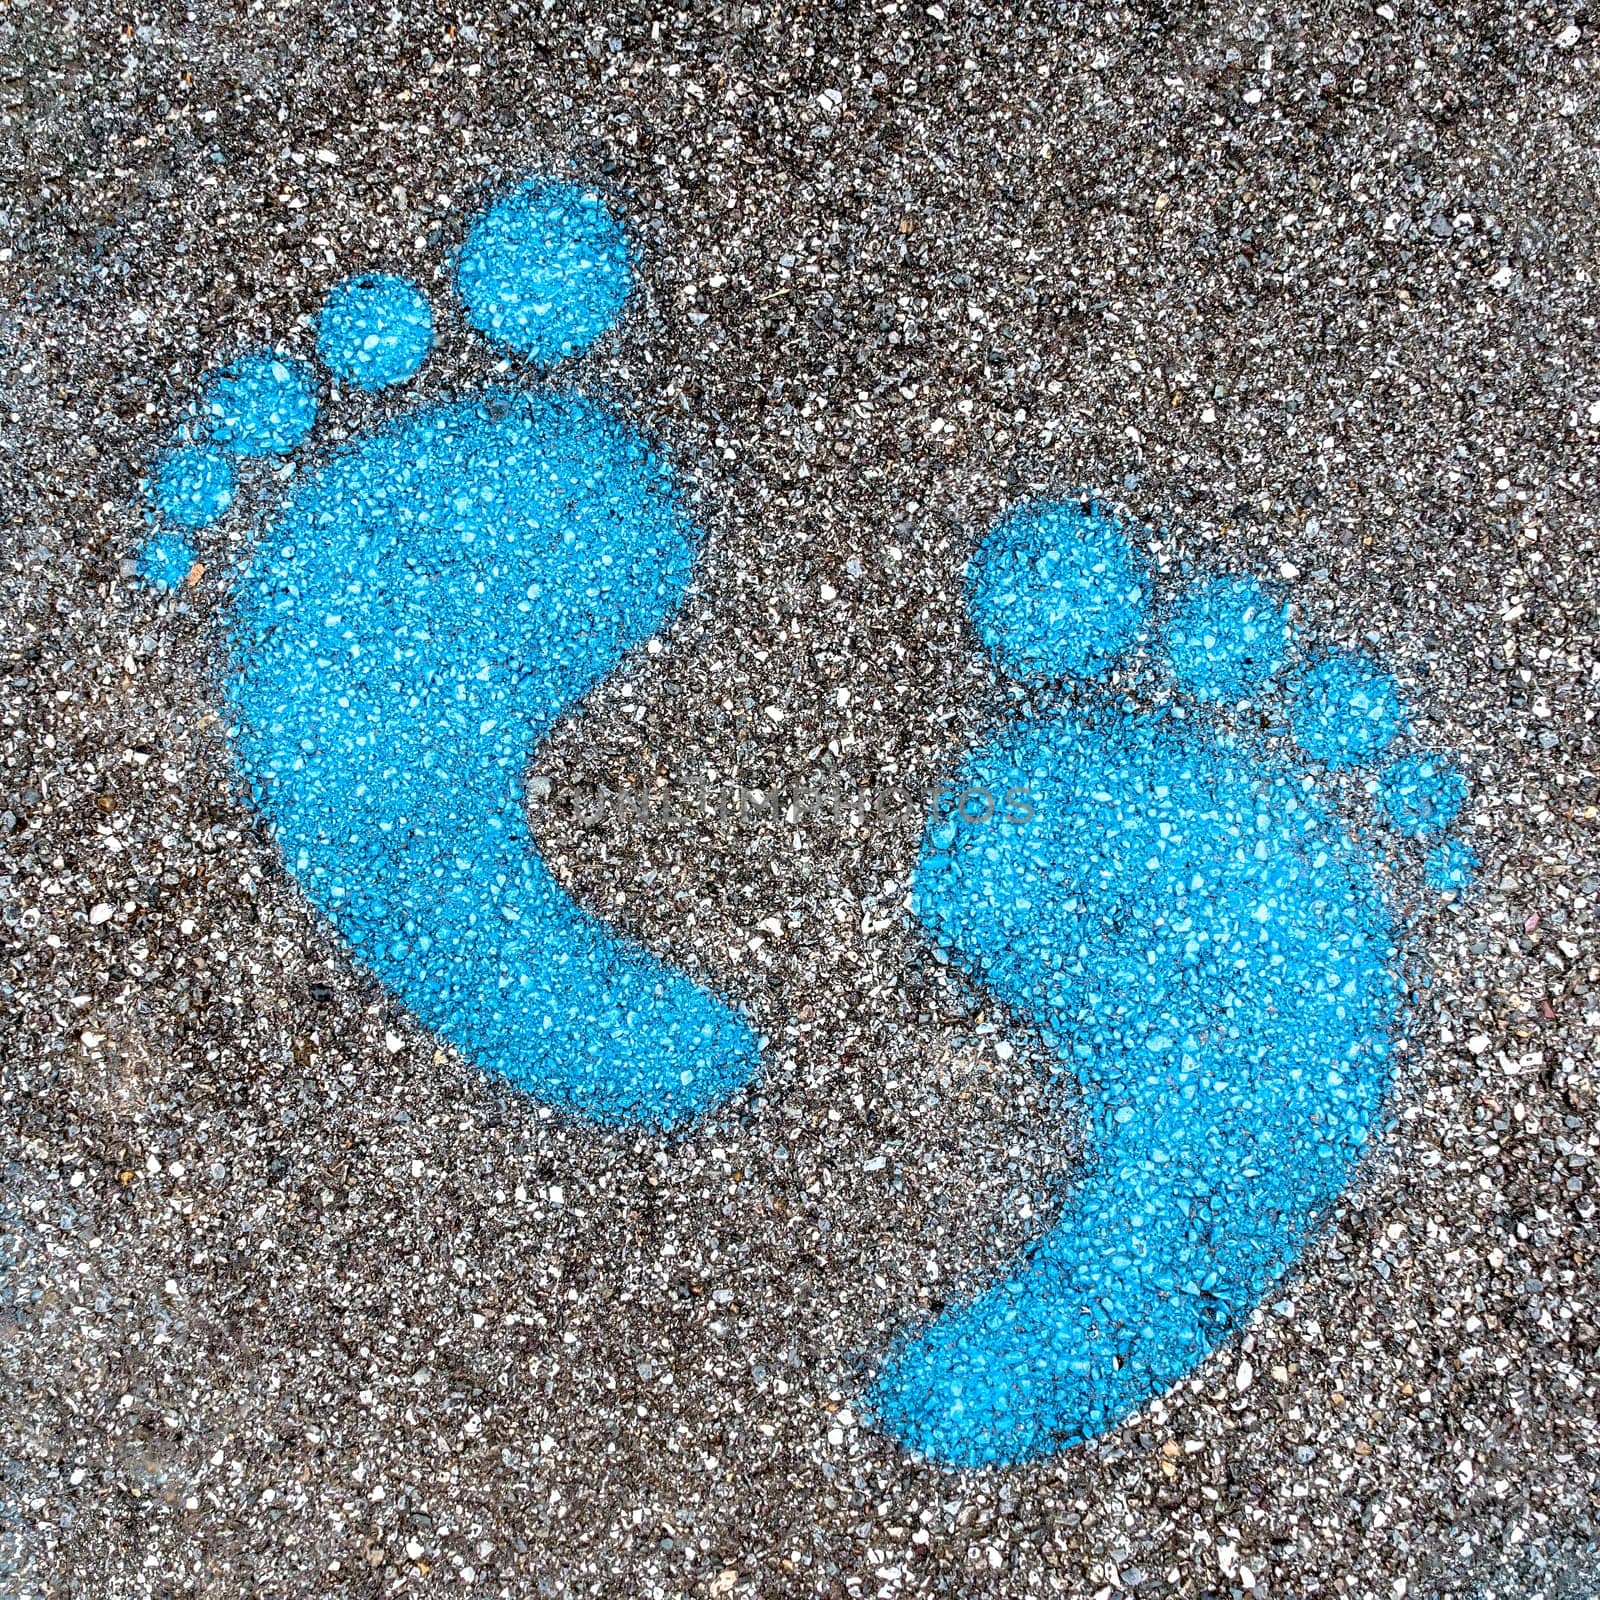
(294, 1302)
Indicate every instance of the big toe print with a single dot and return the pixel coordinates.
(1188, 923)
(417, 614)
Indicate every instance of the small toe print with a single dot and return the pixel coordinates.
(1056, 591)
(1346, 710)
(376, 330)
(1450, 867)
(1422, 794)
(1226, 638)
(166, 560)
(545, 271)
(261, 405)
(191, 486)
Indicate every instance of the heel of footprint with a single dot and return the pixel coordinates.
(417, 613)
(1191, 926)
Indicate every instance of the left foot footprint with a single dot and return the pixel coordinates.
(416, 615)
(1186, 920)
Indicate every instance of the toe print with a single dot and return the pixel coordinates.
(192, 486)
(262, 405)
(1056, 592)
(418, 613)
(545, 271)
(1346, 710)
(1226, 638)
(1422, 795)
(1187, 922)
(166, 560)
(376, 330)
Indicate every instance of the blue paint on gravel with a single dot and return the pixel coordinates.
(1226, 638)
(263, 404)
(419, 614)
(191, 486)
(1450, 867)
(165, 559)
(1346, 710)
(1057, 591)
(545, 271)
(1421, 795)
(376, 330)
(1192, 930)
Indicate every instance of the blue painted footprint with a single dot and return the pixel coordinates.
(1185, 919)
(418, 612)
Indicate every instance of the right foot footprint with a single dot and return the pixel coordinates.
(415, 617)
(1184, 917)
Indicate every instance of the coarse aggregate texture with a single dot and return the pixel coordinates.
(191, 485)
(375, 329)
(417, 616)
(1563, 1568)
(295, 1307)
(263, 404)
(545, 270)
(1205, 950)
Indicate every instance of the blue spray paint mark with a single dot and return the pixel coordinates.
(1192, 930)
(1421, 795)
(1056, 591)
(545, 271)
(1346, 710)
(1226, 638)
(262, 405)
(191, 486)
(420, 613)
(166, 559)
(1450, 866)
(375, 330)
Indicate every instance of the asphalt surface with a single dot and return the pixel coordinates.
(295, 1302)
